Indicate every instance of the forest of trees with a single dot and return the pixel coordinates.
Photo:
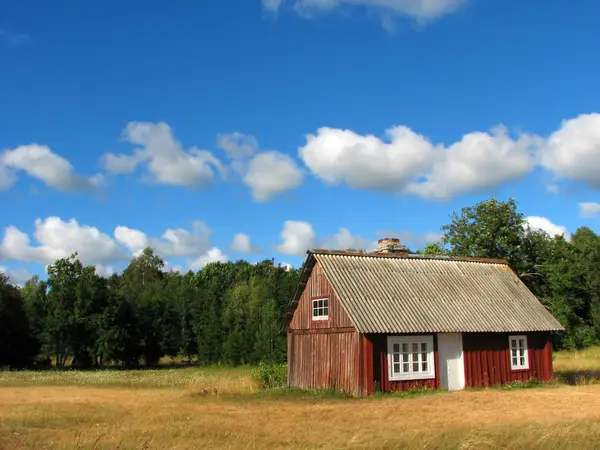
(233, 312)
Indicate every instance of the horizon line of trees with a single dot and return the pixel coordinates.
(234, 312)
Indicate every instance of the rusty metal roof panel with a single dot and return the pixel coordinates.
(383, 294)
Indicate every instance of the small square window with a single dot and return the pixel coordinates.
(320, 309)
(519, 357)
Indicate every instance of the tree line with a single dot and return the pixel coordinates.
(226, 313)
(234, 312)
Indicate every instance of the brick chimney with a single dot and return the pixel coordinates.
(390, 245)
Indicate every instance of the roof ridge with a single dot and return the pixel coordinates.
(321, 251)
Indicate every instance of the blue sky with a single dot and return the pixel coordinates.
(225, 129)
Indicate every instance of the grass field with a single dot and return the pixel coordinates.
(222, 408)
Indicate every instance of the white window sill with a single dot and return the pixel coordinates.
(321, 318)
(413, 377)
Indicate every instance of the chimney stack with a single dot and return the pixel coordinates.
(390, 245)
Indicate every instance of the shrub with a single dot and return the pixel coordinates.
(270, 376)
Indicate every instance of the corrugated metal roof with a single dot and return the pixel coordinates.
(384, 294)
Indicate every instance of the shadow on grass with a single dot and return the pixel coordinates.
(578, 377)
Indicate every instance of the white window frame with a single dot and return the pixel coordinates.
(521, 352)
(409, 341)
(322, 308)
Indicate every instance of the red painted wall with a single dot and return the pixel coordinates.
(325, 359)
(318, 287)
(487, 359)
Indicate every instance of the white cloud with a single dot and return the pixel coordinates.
(297, 237)
(58, 239)
(367, 162)
(421, 10)
(271, 173)
(543, 223)
(164, 157)
(287, 267)
(266, 173)
(39, 162)
(135, 240)
(478, 161)
(409, 162)
(243, 244)
(104, 271)
(237, 145)
(344, 240)
(212, 255)
(573, 151)
(271, 5)
(17, 276)
(173, 243)
(589, 210)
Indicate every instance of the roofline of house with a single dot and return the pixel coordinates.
(309, 263)
(320, 251)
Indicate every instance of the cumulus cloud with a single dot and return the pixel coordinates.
(296, 237)
(299, 236)
(542, 223)
(135, 240)
(237, 145)
(17, 276)
(193, 245)
(266, 173)
(243, 244)
(406, 162)
(478, 161)
(344, 240)
(573, 151)
(589, 210)
(212, 255)
(39, 162)
(163, 156)
(58, 239)
(410, 162)
(368, 162)
(173, 243)
(421, 10)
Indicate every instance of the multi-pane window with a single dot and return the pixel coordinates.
(518, 352)
(320, 309)
(410, 357)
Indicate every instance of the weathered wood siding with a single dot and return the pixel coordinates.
(325, 359)
(318, 287)
(380, 369)
(487, 359)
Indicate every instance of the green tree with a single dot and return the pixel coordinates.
(18, 346)
(490, 229)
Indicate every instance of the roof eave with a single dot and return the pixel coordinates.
(305, 271)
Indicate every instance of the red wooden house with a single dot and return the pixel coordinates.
(399, 320)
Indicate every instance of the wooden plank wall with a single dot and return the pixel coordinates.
(325, 360)
(487, 359)
(380, 370)
(317, 287)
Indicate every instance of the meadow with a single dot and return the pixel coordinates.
(220, 407)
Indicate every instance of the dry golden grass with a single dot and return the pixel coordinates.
(220, 408)
(578, 366)
(66, 417)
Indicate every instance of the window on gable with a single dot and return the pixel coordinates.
(410, 357)
(519, 358)
(320, 309)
